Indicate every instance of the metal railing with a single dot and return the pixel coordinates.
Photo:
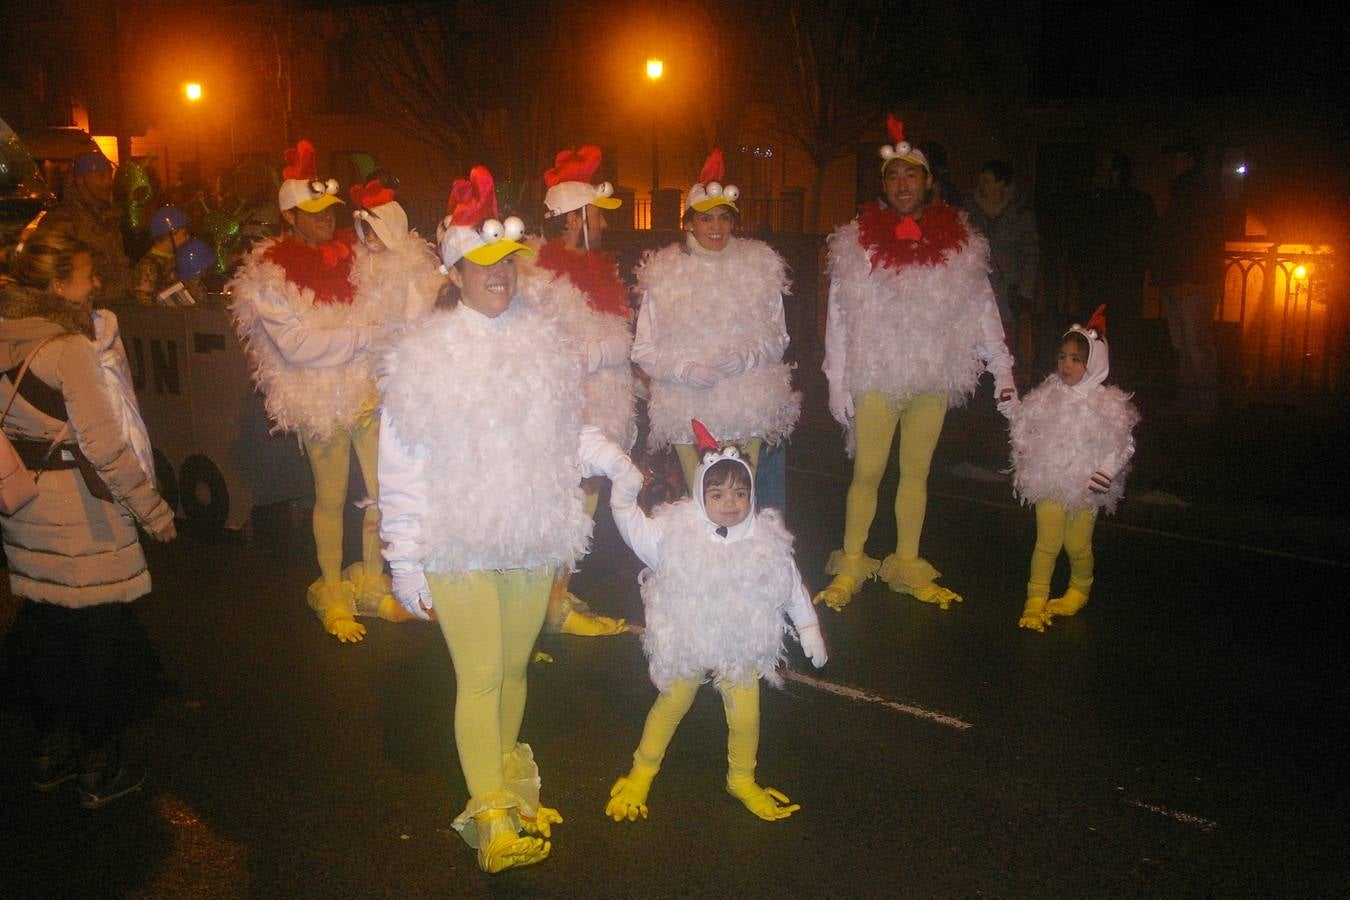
(1287, 306)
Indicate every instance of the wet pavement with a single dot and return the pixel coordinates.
(1184, 735)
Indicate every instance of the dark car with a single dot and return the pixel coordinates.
(23, 193)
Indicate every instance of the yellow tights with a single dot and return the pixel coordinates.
(691, 459)
(330, 461)
(1057, 529)
(740, 702)
(490, 621)
(920, 420)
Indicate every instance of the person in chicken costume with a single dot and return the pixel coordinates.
(719, 590)
(711, 332)
(481, 458)
(1072, 440)
(394, 269)
(307, 332)
(912, 324)
(579, 284)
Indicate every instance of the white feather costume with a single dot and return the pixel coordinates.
(1062, 434)
(920, 329)
(606, 341)
(491, 427)
(714, 606)
(318, 400)
(402, 281)
(698, 307)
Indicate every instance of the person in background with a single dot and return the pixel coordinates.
(73, 552)
(1001, 210)
(88, 214)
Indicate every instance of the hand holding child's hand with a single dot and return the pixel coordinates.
(1100, 482)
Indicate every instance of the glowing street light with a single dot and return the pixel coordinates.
(193, 91)
(655, 68)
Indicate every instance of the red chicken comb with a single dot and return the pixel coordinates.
(714, 167)
(703, 438)
(300, 162)
(473, 200)
(1098, 320)
(896, 128)
(573, 166)
(371, 194)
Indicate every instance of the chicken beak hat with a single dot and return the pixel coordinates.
(377, 210)
(899, 149)
(710, 192)
(1099, 357)
(472, 228)
(569, 183)
(712, 453)
(302, 188)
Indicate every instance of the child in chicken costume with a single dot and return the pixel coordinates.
(720, 588)
(576, 282)
(1072, 440)
(307, 332)
(711, 332)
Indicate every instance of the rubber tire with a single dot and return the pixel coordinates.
(200, 474)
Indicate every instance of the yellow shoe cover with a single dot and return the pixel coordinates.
(335, 605)
(1033, 615)
(628, 797)
(542, 822)
(915, 577)
(770, 804)
(501, 848)
(1072, 601)
(849, 571)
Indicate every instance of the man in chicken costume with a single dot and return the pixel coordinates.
(307, 332)
(912, 324)
(580, 285)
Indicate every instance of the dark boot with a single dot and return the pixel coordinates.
(105, 776)
(54, 760)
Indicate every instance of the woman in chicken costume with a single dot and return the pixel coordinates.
(481, 457)
(1072, 440)
(580, 285)
(911, 326)
(307, 331)
(711, 332)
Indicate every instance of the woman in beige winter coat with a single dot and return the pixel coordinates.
(73, 551)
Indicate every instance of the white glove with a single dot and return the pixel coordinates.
(841, 404)
(698, 375)
(813, 644)
(1007, 401)
(1100, 482)
(413, 593)
(601, 456)
(606, 353)
(730, 363)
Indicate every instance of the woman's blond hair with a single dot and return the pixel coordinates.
(47, 255)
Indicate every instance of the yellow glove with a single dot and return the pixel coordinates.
(628, 797)
(770, 804)
(545, 817)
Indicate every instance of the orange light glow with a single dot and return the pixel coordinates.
(655, 68)
(193, 91)
(1300, 272)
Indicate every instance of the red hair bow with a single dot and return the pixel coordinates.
(300, 162)
(714, 168)
(371, 194)
(473, 200)
(570, 166)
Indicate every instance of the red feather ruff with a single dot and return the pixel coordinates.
(943, 234)
(325, 269)
(595, 274)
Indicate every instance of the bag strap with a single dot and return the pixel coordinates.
(23, 370)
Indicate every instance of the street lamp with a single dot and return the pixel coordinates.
(655, 69)
(192, 90)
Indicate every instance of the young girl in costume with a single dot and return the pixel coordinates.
(307, 322)
(720, 584)
(480, 462)
(574, 280)
(711, 332)
(911, 326)
(1071, 446)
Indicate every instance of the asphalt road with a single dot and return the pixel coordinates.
(1183, 736)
